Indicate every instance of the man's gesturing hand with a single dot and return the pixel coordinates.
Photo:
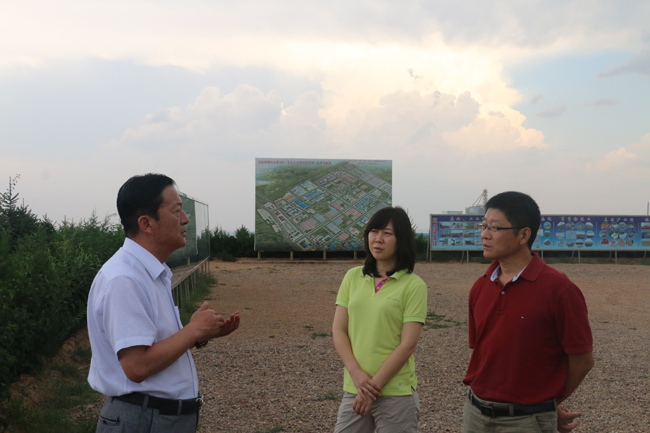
(207, 322)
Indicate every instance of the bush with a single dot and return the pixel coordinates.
(45, 276)
(421, 245)
(227, 247)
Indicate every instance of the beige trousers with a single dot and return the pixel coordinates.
(475, 422)
(388, 414)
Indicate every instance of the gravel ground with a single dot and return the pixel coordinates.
(280, 371)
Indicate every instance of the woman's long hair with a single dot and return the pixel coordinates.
(405, 240)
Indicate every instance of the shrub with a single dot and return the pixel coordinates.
(45, 276)
(227, 247)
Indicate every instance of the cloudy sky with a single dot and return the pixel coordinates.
(547, 97)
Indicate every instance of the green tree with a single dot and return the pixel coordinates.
(225, 246)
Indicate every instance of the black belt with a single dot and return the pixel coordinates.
(164, 405)
(517, 410)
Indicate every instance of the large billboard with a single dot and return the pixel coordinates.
(318, 204)
(556, 232)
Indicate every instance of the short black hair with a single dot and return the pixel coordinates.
(140, 195)
(519, 209)
(405, 245)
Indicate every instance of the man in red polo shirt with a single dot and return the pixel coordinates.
(528, 328)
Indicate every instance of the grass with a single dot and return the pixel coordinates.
(438, 321)
(81, 354)
(315, 335)
(67, 370)
(62, 389)
(201, 291)
(271, 430)
(329, 396)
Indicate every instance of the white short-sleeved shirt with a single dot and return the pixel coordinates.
(130, 304)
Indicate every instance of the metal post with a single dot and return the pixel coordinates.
(429, 242)
(467, 256)
(616, 257)
(291, 255)
(578, 257)
(355, 255)
(324, 255)
(259, 255)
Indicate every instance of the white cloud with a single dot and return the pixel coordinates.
(614, 161)
(633, 160)
(488, 134)
(304, 36)
(247, 123)
(232, 126)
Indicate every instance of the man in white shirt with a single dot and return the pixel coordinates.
(141, 352)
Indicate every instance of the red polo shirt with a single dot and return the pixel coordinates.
(521, 334)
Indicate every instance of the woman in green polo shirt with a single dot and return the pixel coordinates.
(380, 310)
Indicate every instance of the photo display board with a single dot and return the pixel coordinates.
(318, 204)
(556, 232)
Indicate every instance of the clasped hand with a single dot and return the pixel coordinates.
(362, 405)
(368, 391)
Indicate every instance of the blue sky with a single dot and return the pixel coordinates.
(551, 98)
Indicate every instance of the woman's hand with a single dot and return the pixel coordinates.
(365, 384)
(362, 405)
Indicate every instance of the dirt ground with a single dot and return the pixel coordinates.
(280, 369)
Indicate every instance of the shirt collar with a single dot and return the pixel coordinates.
(497, 271)
(530, 272)
(397, 275)
(148, 260)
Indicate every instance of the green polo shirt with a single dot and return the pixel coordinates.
(375, 323)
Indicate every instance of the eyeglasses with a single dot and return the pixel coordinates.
(494, 229)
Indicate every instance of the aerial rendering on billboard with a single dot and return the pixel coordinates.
(317, 204)
(556, 232)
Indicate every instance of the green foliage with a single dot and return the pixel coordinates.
(315, 335)
(200, 291)
(421, 245)
(56, 409)
(227, 247)
(45, 275)
(330, 396)
(272, 430)
(17, 221)
(437, 321)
